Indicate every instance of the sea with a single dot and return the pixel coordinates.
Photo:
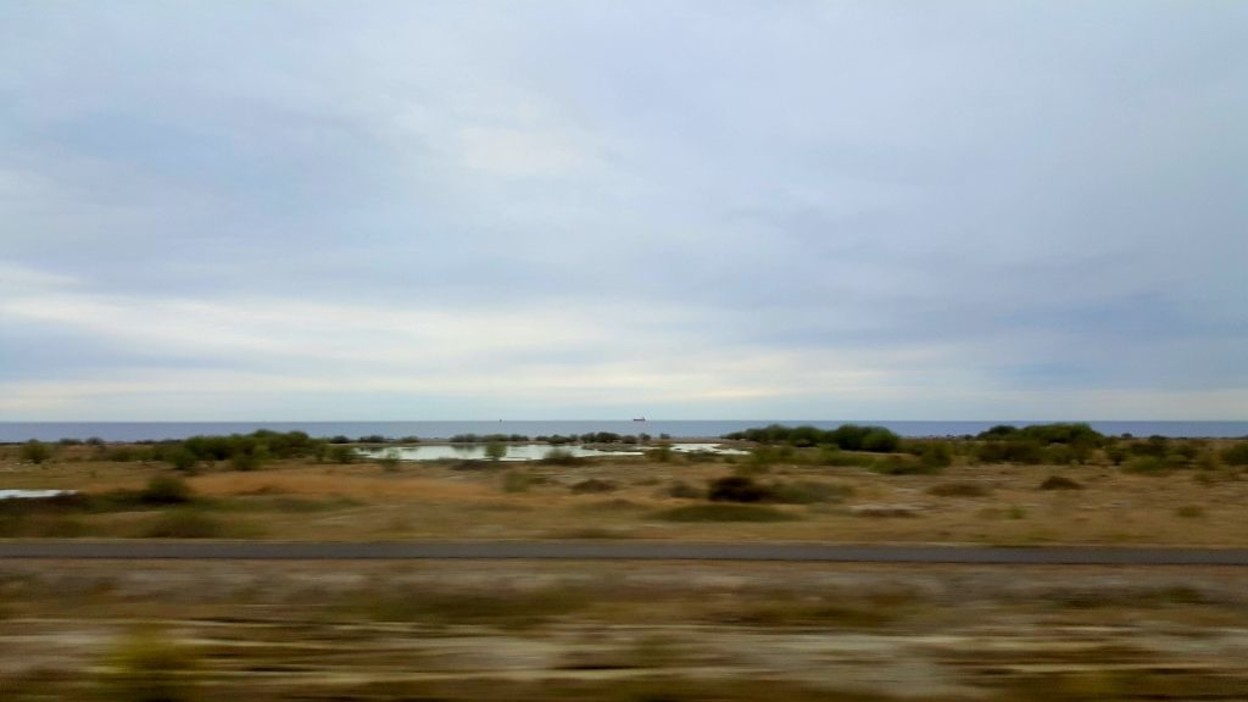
(12, 432)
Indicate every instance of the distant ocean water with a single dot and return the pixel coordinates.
(702, 428)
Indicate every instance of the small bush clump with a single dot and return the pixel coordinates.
(737, 488)
(1060, 482)
(1236, 455)
(593, 486)
(166, 490)
(560, 457)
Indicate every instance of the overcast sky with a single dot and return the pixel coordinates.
(576, 210)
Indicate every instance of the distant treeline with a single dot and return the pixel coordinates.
(241, 451)
(849, 437)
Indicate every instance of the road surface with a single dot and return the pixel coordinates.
(617, 550)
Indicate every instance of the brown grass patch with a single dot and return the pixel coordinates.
(361, 487)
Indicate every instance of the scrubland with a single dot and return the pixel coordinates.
(771, 494)
(516, 630)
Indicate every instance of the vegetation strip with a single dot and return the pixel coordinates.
(563, 550)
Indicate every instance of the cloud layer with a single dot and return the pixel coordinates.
(304, 210)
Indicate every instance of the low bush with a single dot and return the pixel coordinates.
(341, 453)
(559, 457)
(35, 451)
(1024, 451)
(593, 486)
(166, 490)
(738, 488)
(1236, 455)
(1147, 465)
(724, 513)
(959, 489)
(1060, 482)
(931, 452)
(660, 454)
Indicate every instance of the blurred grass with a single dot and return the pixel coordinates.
(724, 513)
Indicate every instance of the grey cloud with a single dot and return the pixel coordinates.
(810, 178)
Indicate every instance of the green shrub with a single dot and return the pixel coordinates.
(932, 453)
(35, 451)
(851, 437)
(1147, 465)
(660, 454)
(724, 513)
(245, 461)
(1155, 446)
(181, 459)
(495, 450)
(1236, 455)
(833, 456)
(1116, 454)
(1024, 451)
(166, 490)
(560, 457)
(737, 488)
(341, 453)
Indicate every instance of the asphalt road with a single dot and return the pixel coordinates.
(618, 550)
